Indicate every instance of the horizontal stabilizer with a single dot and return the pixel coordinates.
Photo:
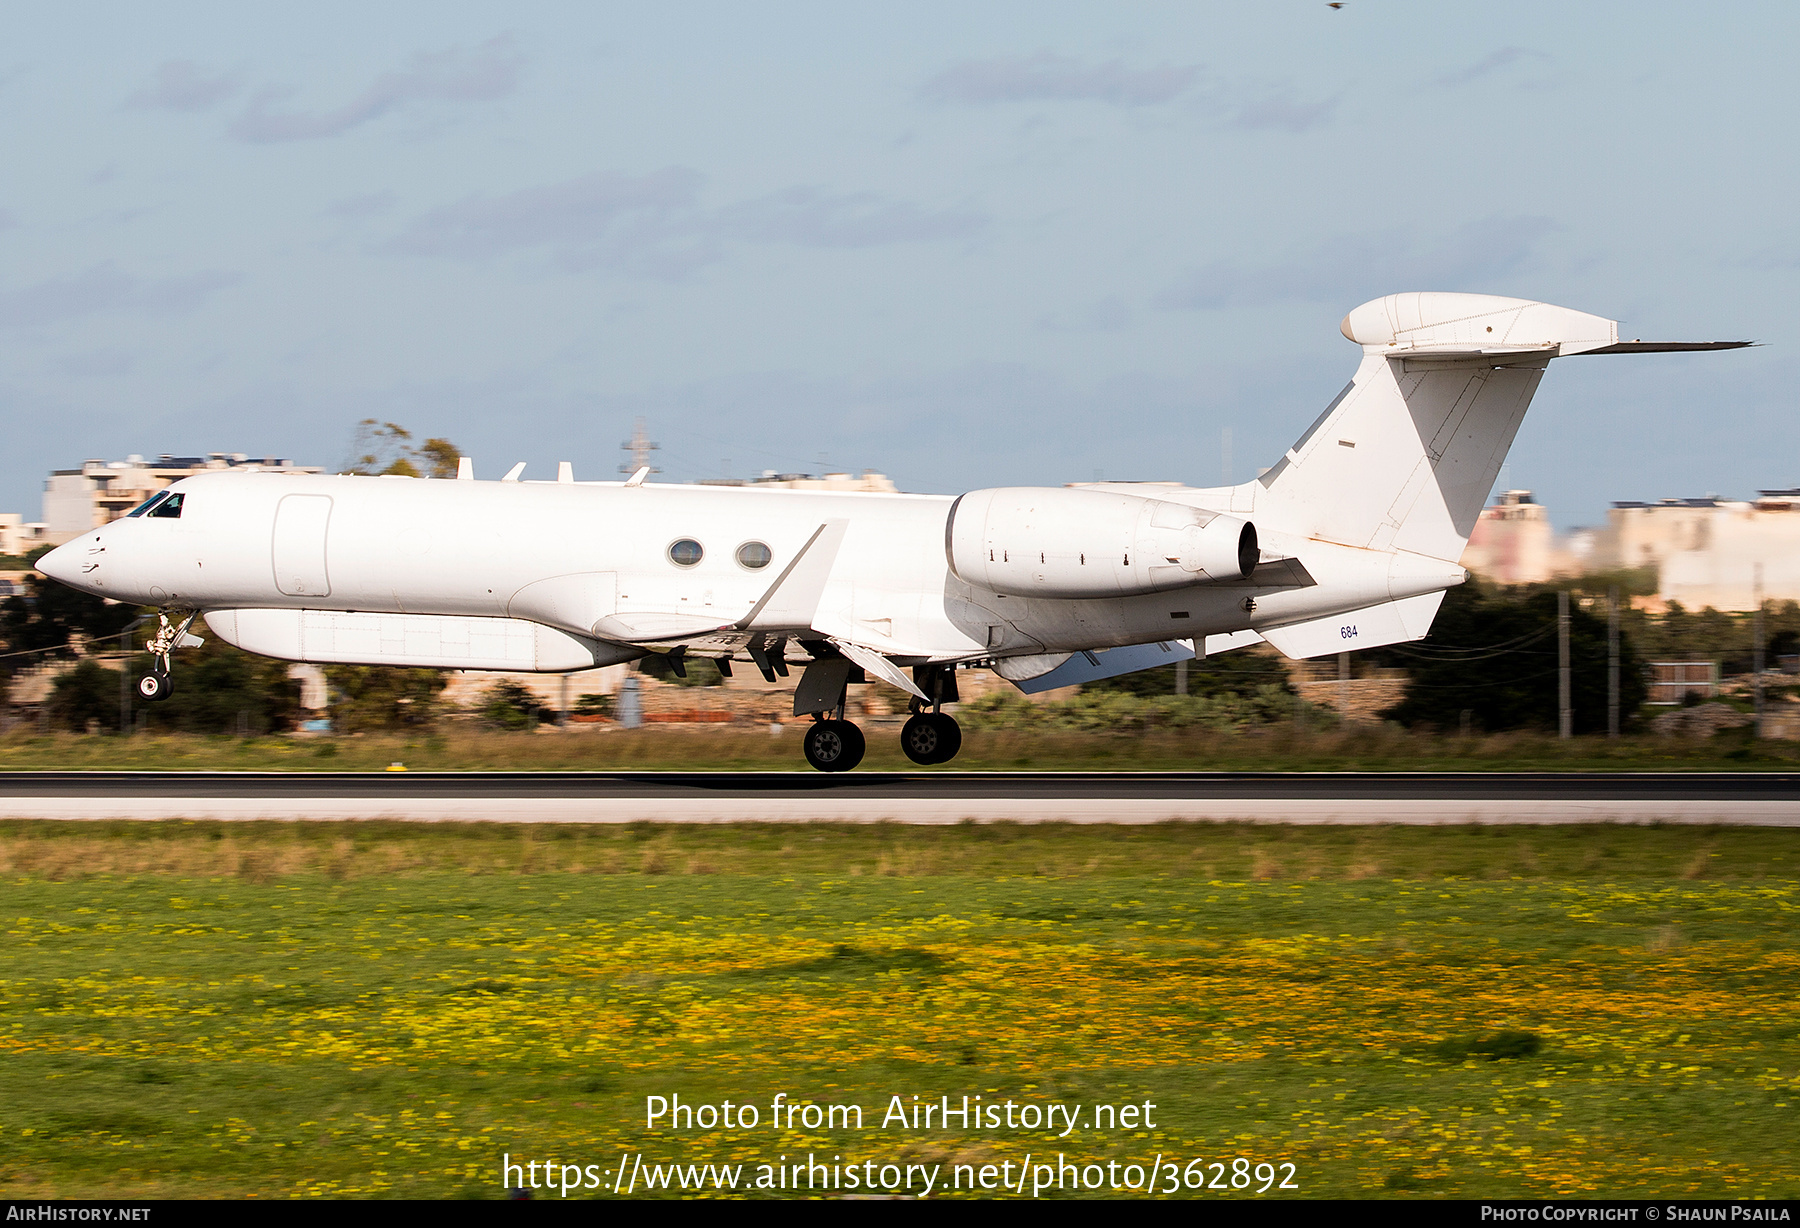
(1668, 347)
(1109, 663)
(1391, 622)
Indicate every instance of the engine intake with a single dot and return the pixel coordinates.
(1029, 541)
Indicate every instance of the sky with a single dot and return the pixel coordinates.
(965, 245)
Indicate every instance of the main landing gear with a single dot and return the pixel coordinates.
(931, 737)
(155, 685)
(833, 744)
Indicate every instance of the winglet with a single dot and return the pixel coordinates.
(793, 599)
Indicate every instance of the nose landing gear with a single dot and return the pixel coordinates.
(155, 685)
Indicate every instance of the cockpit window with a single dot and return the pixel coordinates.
(144, 507)
(168, 509)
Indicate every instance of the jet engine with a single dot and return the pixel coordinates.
(1028, 541)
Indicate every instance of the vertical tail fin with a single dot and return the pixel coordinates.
(1405, 456)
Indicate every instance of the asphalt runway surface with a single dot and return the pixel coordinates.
(1747, 799)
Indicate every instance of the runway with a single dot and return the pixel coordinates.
(1747, 799)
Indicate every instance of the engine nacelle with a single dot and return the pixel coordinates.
(1034, 541)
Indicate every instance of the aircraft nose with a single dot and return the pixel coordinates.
(61, 564)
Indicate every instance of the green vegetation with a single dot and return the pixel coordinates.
(387, 448)
(297, 1010)
(1287, 747)
(1495, 655)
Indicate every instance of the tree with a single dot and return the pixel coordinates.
(387, 448)
(440, 457)
(89, 692)
(1494, 654)
(221, 689)
(366, 697)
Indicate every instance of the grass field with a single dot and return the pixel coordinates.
(289, 1010)
(1275, 748)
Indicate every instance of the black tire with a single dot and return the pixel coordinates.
(930, 737)
(153, 686)
(834, 746)
(949, 736)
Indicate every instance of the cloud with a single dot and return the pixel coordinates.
(813, 218)
(606, 218)
(653, 225)
(490, 71)
(182, 85)
(1493, 61)
(1055, 78)
(1343, 268)
(96, 363)
(1108, 315)
(357, 207)
(1280, 109)
(103, 288)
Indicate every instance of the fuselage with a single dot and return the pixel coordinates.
(657, 563)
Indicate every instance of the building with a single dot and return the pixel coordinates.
(868, 481)
(76, 500)
(17, 535)
(1709, 551)
(1513, 543)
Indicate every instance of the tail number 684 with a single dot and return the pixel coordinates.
(1347, 633)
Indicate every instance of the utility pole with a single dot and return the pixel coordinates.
(640, 447)
(1344, 685)
(1756, 647)
(1181, 667)
(1612, 662)
(1565, 712)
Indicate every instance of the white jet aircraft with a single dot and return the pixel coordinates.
(1349, 541)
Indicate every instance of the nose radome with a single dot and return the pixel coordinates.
(61, 563)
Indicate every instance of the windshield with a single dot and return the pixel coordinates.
(168, 509)
(147, 504)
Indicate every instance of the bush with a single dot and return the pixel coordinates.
(511, 705)
(594, 705)
(1241, 672)
(89, 692)
(1123, 712)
